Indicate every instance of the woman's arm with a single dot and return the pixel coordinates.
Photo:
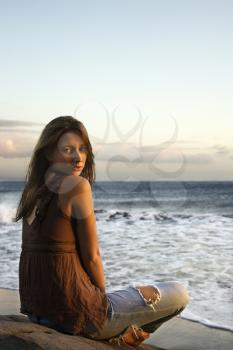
(86, 231)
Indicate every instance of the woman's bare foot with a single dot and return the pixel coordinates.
(133, 336)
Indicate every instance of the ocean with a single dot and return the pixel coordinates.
(152, 232)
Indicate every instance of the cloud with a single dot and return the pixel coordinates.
(19, 126)
(130, 152)
(16, 123)
(200, 158)
(17, 147)
(221, 150)
(19, 130)
(18, 139)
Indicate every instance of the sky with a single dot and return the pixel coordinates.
(151, 81)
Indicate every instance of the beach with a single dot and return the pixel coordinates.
(183, 232)
(179, 238)
(175, 334)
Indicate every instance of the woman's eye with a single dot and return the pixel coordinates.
(84, 149)
(67, 150)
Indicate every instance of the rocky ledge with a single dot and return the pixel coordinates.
(18, 333)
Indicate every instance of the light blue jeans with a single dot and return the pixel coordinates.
(129, 307)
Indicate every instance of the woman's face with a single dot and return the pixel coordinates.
(70, 155)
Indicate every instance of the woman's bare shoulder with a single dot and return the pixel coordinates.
(74, 184)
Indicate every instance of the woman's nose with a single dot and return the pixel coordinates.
(76, 156)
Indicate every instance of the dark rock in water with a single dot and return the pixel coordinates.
(19, 333)
(143, 218)
(163, 218)
(183, 216)
(97, 211)
(125, 214)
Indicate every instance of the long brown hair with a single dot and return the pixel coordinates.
(35, 175)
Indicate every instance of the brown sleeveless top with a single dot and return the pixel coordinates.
(52, 280)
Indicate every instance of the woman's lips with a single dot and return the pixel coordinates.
(77, 167)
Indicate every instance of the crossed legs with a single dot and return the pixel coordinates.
(176, 301)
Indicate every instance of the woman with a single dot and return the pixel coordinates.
(61, 277)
